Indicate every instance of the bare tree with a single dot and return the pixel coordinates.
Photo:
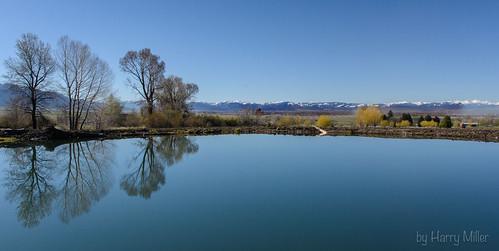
(31, 70)
(175, 94)
(146, 73)
(85, 80)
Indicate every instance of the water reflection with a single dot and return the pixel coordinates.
(148, 166)
(172, 149)
(71, 178)
(29, 184)
(86, 170)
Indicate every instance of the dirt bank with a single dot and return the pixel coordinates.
(21, 137)
(473, 134)
(52, 136)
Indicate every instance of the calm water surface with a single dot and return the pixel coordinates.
(251, 192)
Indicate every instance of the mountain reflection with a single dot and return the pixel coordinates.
(149, 164)
(71, 178)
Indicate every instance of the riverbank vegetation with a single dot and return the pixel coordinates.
(80, 82)
(70, 87)
(324, 121)
(373, 116)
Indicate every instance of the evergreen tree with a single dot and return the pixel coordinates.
(428, 118)
(390, 114)
(407, 116)
(436, 119)
(446, 122)
(111, 112)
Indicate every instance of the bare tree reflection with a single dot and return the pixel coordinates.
(28, 183)
(149, 175)
(173, 148)
(86, 176)
(77, 175)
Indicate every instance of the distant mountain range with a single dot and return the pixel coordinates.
(471, 107)
(7, 91)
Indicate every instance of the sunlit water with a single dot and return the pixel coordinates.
(250, 192)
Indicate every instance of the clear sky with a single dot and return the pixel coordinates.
(356, 51)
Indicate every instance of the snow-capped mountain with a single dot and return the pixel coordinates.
(281, 106)
(451, 107)
(472, 107)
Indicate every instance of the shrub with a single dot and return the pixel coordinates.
(173, 118)
(404, 123)
(246, 118)
(7, 121)
(421, 119)
(213, 121)
(111, 112)
(485, 121)
(324, 121)
(300, 121)
(368, 116)
(45, 121)
(192, 121)
(233, 121)
(385, 123)
(15, 117)
(156, 120)
(446, 122)
(292, 121)
(132, 120)
(308, 122)
(429, 124)
(285, 121)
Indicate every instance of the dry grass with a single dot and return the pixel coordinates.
(7, 139)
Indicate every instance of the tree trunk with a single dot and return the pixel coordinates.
(33, 114)
(149, 108)
(70, 114)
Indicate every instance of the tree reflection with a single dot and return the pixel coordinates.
(28, 183)
(86, 178)
(73, 177)
(77, 175)
(149, 175)
(173, 148)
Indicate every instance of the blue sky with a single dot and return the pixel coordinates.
(357, 51)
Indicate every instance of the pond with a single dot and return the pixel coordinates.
(251, 192)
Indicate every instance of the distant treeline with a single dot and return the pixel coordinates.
(372, 116)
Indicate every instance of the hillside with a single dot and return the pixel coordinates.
(473, 107)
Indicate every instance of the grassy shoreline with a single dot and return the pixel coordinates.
(9, 138)
(463, 134)
(51, 135)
